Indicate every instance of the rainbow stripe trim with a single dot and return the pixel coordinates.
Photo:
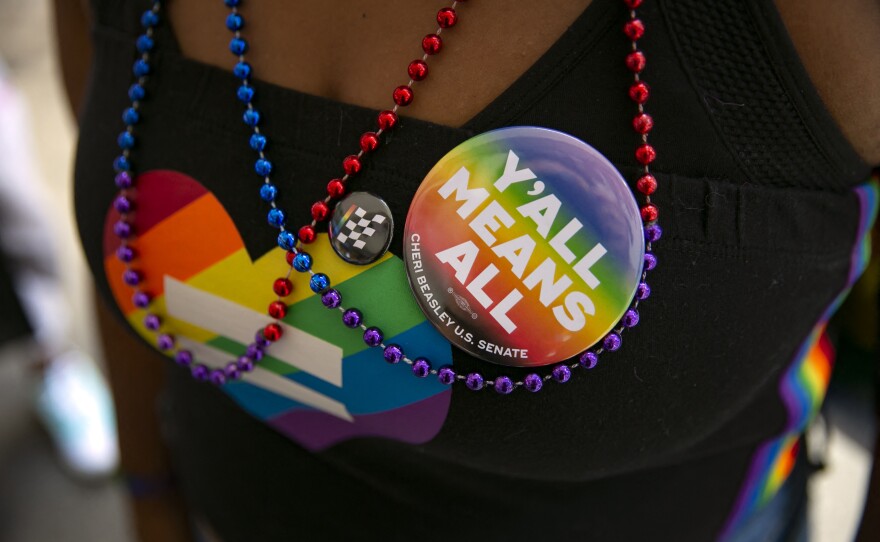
(804, 384)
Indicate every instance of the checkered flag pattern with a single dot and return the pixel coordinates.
(359, 227)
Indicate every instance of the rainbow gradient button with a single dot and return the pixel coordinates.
(523, 246)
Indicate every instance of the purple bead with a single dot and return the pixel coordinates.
(421, 367)
(653, 233)
(631, 318)
(503, 385)
(183, 357)
(123, 179)
(475, 381)
(232, 371)
(611, 342)
(122, 229)
(643, 291)
(152, 322)
(589, 360)
(165, 342)
(261, 341)
(352, 318)
(200, 372)
(217, 377)
(125, 253)
(373, 336)
(122, 204)
(650, 261)
(141, 300)
(393, 353)
(446, 375)
(533, 383)
(331, 298)
(245, 364)
(131, 277)
(561, 373)
(254, 352)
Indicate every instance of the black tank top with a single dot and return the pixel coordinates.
(668, 438)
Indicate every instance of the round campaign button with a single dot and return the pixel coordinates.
(360, 228)
(523, 246)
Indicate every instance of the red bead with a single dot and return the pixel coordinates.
(431, 44)
(277, 310)
(369, 141)
(403, 95)
(351, 164)
(387, 120)
(417, 70)
(272, 332)
(642, 123)
(645, 154)
(306, 234)
(336, 188)
(647, 184)
(632, 4)
(650, 212)
(639, 92)
(635, 61)
(320, 211)
(290, 256)
(446, 18)
(634, 29)
(282, 287)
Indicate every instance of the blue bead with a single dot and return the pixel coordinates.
(242, 70)
(286, 240)
(149, 19)
(251, 117)
(302, 262)
(125, 140)
(130, 116)
(245, 93)
(232, 3)
(238, 46)
(276, 218)
(121, 164)
(141, 67)
(319, 282)
(144, 43)
(136, 92)
(263, 167)
(258, 142)
(268, 192)
(234, 22)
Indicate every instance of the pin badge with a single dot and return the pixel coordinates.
(523, 246)
(361, 227)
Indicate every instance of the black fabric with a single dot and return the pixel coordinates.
(652, 444)
(13, 322)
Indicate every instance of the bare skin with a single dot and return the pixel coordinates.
(356, 50)
(337, 50)
(340, 52)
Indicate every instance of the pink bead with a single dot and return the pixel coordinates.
(336, 188)
(351, 164)
(635, 61)
(369, 141)
(417, 70)
(387, 120)
(403, 95)
(447, 18)
(320, 210)
(431, 44)
(634, 29)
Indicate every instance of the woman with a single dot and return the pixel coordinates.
(674, 436)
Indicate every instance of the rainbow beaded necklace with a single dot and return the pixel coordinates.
(297, 259)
